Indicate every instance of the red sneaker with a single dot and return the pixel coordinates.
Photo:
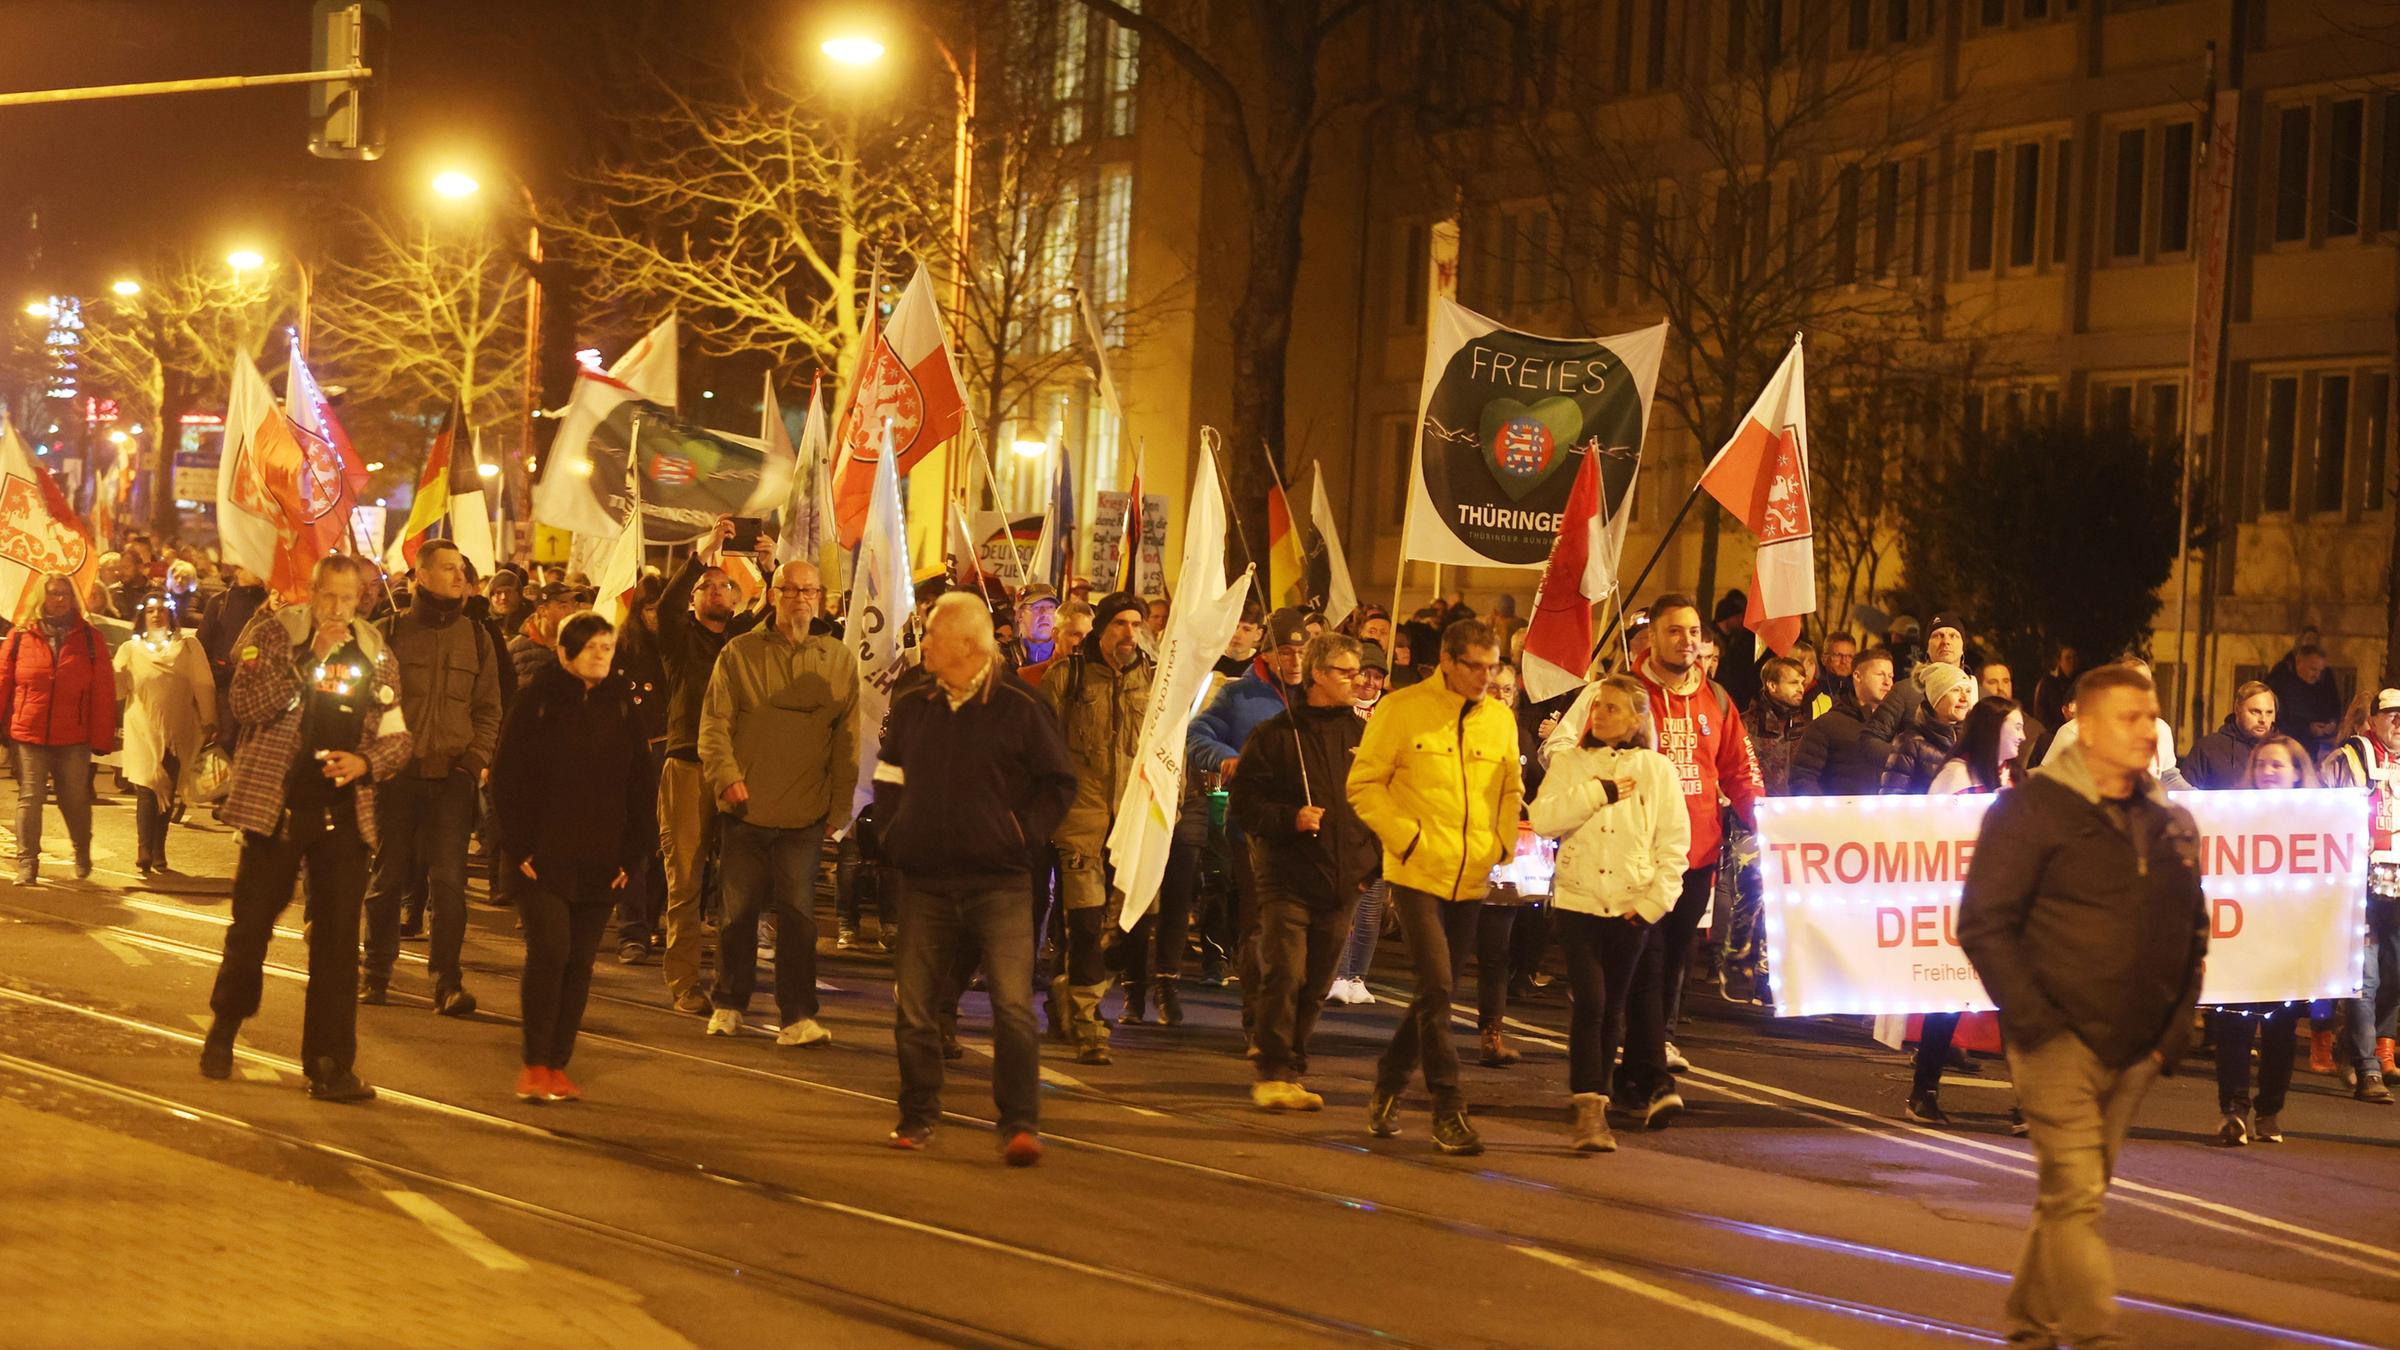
(562, 1088)
(533, 1085)
(1023, 1149)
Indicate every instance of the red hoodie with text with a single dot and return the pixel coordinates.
(1701, 734)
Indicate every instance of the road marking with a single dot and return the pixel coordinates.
(1617, 1279)
(456, 1231)
(119, 948)
(1069, 1081)
(260, 1073)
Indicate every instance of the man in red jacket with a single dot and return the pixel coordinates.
(1700, 731)
(59, 693)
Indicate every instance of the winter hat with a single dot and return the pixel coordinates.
(1732, 605)
(1942, 621)
(1108, 607)
(1287, 627)
(1939, 679)
(1371, 657)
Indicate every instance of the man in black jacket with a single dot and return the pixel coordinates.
(1838, 755)
(1310, 856)
(2084, 919)
(971, 766)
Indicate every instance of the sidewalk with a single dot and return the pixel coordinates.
(113, 1240)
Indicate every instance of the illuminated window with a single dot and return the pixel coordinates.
(1072, 50)
(1060, 236)
(1112, 262)
(1124, 71)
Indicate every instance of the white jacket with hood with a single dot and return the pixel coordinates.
(1618, 858)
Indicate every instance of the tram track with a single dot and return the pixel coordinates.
(1545, 1246)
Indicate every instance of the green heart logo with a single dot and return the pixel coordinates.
(1524, 444)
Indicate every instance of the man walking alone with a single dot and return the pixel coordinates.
(1437, 779)
(779, 746)
(2083, 918)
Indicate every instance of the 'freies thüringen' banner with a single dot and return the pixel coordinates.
(1862, 898)
(1501, 419)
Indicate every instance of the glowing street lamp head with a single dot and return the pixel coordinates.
(488, 470)
(1030, 449)
(126, 287)
(39, 309)
(245, 259)
(455, 185)
(853, 50)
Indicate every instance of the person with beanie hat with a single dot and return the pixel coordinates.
(1100, 694)
(1918, 753)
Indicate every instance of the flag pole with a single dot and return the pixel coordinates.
(1655, 554)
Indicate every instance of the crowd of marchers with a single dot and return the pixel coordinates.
(685, 780)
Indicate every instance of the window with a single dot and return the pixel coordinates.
(2125, 238)
(1737, 35)
(1124, 72)
(2333, 442)
(2061, 222)
(2025, 205)
(1995, 13)
(1061, 239)
(2346, 136)
(2166, 410)
(2387, 207)
(2282, 431)
(1920, 253)
(2377, 447)
(1983, 203)
(2175, 188)
(1066, 75)
(1887, 217)
(2116, 407)
(1758, 219)
(1845, 227)
(1862, 24)
(1112, 261)
(2291, 174)
(1654, 74)
(1621, 56)
(2040, 9)
(1895, 20)
(1416, 272)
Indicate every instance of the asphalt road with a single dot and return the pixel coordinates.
(713, 1192)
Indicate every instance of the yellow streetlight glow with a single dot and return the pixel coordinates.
(375, 466)
(127, 287)
(488, 470)
(854, 50)
(40, 309)
(454, 185)
(118, 438)
(245, 259)
(1030, 449)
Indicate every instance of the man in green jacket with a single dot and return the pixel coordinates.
(1438, 780)
(779, 748)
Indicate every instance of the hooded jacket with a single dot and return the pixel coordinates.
(1272, 785)
(1436, 779)
(2221, 758)
(1917, 754)
(1617, 856)
(1233, 712)
(2086, 917)
(59, 695)
(781, 718)
(572, 788)
(1099, 710)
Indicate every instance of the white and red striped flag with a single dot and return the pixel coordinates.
(1761, 477)
(1558, 639)
(905, 394)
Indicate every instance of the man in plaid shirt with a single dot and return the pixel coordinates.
(316, 692)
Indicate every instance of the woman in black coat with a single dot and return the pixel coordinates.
(574, 793)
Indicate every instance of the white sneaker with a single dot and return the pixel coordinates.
(1338, 992)
(806, 1031)
(725, 1022)
(1676, 1063)
(1359, 994)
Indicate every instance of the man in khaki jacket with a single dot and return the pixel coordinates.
(1100, 694)
(779, 748)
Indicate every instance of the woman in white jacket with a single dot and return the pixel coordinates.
(1614, 805)
(170, 703)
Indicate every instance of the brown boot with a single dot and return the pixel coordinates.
(2383, 1054)
(2320, 1052)
(1497, 1053)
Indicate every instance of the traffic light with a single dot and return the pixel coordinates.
(345, 117)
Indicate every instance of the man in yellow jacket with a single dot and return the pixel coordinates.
(1438, 781)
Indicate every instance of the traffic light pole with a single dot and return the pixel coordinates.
(200, 86)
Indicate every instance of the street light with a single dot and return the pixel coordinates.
(852, 49)
(455, 185)
(127, 287)
(245, 259)
(1029, 449)
(39, 309)
(488, 470)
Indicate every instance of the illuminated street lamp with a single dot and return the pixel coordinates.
(1029, 449)
(458, 185)
(39, 309)
(127, 287)
(455, 185)
(852, 49)
(245, 260)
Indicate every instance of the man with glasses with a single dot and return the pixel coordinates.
(695, 620)
(1311, 858)
(779, 748)
(1436, 778)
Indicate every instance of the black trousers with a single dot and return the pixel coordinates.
(2274, 1026)
(1495, 927)
(264, 877)
(1602, 953)
(1434, 928)
(150, 813)
(945, 928)
(1934, 1034)
(1302, 927)
(1154, 949)
(423, 825)
(564, 920)
(1674, 942)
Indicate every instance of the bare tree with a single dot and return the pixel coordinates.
(169, 349)
(425, 315)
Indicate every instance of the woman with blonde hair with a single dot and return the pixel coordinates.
(2276, 762)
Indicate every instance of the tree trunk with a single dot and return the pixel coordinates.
(174, 399)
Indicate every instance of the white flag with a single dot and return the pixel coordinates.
(564, 498)
(808, 513)
(1340, 595)
(246, 534)
(1206, 611)
(471, 515)
(881, 600)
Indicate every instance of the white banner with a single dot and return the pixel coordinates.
(1108, 543)
(1861, 898)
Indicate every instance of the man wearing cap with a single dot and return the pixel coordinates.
(529, 651)
(1037, 620)
(1271, 685)
(1100, 693)
(2371, 760)
(1945, 644)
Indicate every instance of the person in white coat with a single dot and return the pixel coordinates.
(170, 702)
(1617, 810)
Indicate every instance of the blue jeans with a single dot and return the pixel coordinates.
(422, 826)
(1366, 926)
(2373, 1012)
(939, 924)
(39, 767)
(763, 865)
